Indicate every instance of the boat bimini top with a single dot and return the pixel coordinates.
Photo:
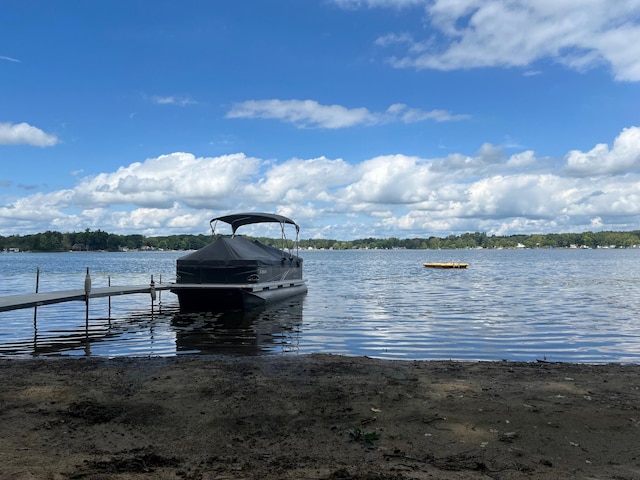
(237, 220)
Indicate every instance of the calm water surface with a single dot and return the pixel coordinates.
(558, 305)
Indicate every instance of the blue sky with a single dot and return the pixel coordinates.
(357, 118)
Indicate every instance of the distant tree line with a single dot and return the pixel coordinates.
(482, 240)
(98, 240)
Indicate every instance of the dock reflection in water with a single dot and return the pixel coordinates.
(162, 332)
(274, 328)
(53, 334)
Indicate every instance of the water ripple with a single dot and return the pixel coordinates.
(562, 305)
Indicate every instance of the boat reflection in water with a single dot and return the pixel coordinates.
(270, 329)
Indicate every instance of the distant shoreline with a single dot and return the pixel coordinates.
(99, 240)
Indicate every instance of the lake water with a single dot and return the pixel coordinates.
(525, 305)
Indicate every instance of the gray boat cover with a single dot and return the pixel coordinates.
(233, 251)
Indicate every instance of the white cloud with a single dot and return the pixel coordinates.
(391, 195)
(532, 196)
(311, 114)
(623, 157)
(25, 134)
(159, 182)
(297, 180)
(400, 112)
(522, 159)
(9, 59)
(353, 4)
(171, 100)
(517, 33)
(37, 209)
(391, 179)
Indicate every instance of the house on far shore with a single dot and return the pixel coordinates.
(79, 247)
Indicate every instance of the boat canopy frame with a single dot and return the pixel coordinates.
(237, 220)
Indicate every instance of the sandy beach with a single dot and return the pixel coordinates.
(319, 417)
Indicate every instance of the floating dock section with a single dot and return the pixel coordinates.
(446, 265)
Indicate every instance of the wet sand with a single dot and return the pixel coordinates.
(316, 417)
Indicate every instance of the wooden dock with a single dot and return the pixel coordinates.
(29, 300)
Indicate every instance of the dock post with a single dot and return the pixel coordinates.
(152, 291)
(35, 309)
(87, 291)
(109, 284)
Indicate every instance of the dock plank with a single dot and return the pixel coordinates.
(29, 300)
